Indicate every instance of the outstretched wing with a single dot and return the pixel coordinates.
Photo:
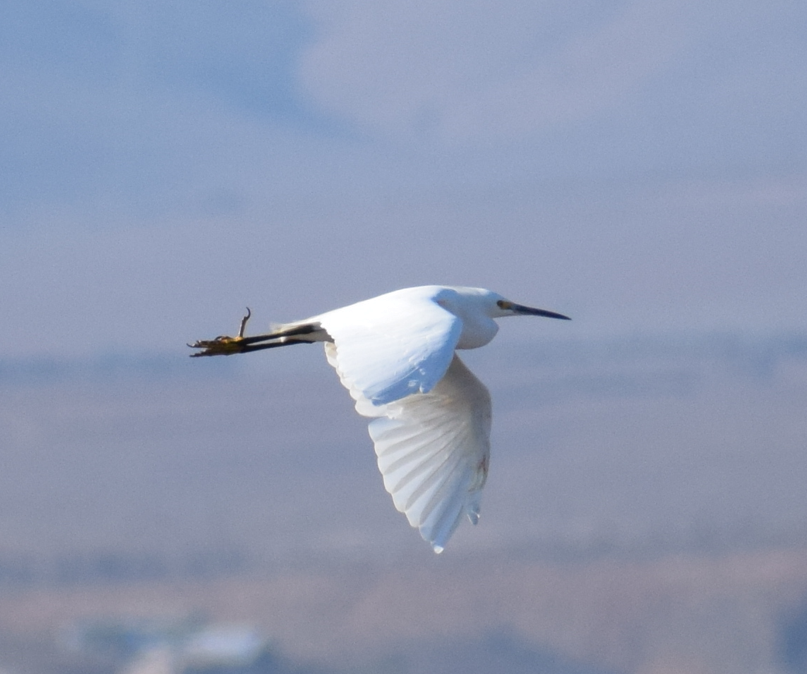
(392, 346)
(433, 449)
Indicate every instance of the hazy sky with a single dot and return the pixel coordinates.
(640, 166)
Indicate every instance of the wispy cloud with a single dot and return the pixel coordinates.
(479, 72)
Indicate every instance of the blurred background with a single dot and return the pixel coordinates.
(641, 168)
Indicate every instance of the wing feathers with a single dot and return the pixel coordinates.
(433, 451)
(390, 349)
(430, 415)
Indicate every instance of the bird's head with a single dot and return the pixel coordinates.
(478, 308)
(467, 301)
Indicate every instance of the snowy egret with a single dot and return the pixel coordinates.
(430, 415)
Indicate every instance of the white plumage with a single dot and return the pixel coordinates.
(430, 415)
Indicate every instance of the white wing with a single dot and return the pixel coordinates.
(394, 345)
(433, 449)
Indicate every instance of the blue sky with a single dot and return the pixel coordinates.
(640, 167)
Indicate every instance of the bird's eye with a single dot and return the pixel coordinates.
(504, 304)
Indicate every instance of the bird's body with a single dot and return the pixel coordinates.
(431, 416)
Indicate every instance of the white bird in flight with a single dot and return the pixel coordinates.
(431, 416)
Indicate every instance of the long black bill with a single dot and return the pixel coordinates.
(529, 311)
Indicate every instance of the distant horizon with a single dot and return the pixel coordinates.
(736, 345)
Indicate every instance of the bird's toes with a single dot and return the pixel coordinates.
(220, 346)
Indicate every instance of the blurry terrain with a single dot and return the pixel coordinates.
(645, 510)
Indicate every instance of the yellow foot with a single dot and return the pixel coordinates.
(223, 345)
